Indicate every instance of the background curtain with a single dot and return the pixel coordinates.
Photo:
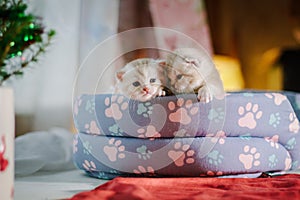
(43, 96)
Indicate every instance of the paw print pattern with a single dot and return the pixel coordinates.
(291, 143)
(274, 119)
(77, 104)
(272, 160)
(273, 141)
(288, 162)
(114, 150)
(211, 173)
(87, 147)
(92, 127)
(246, 136)
(249, 115)
(216, 115)
(294, 125)
(148, 132)
(182, 114)
(250, 157)
(90, 105)
(89, 165)
(116, 104)
(182, 154)
(115, 130)
(219, 137)
(278, 98)
(75, 143)
(215, 158)
(143, 152)
(181, 133)
(144, 109)
(142, 170)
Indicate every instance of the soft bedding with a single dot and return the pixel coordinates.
(245, 133)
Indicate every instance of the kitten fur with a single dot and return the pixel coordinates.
(141, 79)
(190, 70)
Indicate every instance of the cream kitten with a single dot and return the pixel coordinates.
(140, 79)
(191, 70)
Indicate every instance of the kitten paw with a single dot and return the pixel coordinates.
(161, 93)
(204, 95)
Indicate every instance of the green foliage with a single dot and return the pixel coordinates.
(22, 38)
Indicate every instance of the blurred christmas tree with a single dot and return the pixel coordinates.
(22, 38)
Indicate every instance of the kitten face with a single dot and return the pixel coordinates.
(183, 73)
(140, 79)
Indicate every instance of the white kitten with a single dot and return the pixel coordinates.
(141, 79)
(191, 70)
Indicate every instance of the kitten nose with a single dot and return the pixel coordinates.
(145, 89)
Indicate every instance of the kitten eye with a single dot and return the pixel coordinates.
(136, 84)
(152, 80)
(179, 76)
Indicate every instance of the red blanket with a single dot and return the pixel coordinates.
(280, 187)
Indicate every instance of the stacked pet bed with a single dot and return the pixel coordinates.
(244, 133)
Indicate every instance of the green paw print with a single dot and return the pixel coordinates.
(217, 115)
(247, 94)
(214, 157)
(102, 175)
(90, 105)
(295, 165)
(144, 153)
(272, 160)
(144, 109)
(291, 144)
(246, 136)
(274, 120)
(116, 130)
(87, 148)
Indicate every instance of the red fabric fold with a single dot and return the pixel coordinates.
(280, 187)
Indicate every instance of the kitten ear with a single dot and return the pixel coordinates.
(162, 63)
(192, 61)
(119, 75)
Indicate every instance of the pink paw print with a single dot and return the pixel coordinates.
(278, 98)
(149, 132)
(250, 157)
(116, 104)
(92, 127)
(273, 141)
(294, 125)
(143, 170)
(182, 114)
(249, 115)
(182, 154)
(89, 165)
(114, 150)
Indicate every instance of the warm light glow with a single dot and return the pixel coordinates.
(230, 72)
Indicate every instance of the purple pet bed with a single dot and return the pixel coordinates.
(246, 133)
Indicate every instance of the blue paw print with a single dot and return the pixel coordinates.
(144, 153)
(274, 120)
(144, 109)
(90, 105)
(102, 175)
(291, 143)
(87, 148)
(272, 160)
(217, 115)
(215, 158)
(295, 165)
(246, 136)
(248, 94)
(116, 130)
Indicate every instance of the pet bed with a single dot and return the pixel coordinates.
(245, 133)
